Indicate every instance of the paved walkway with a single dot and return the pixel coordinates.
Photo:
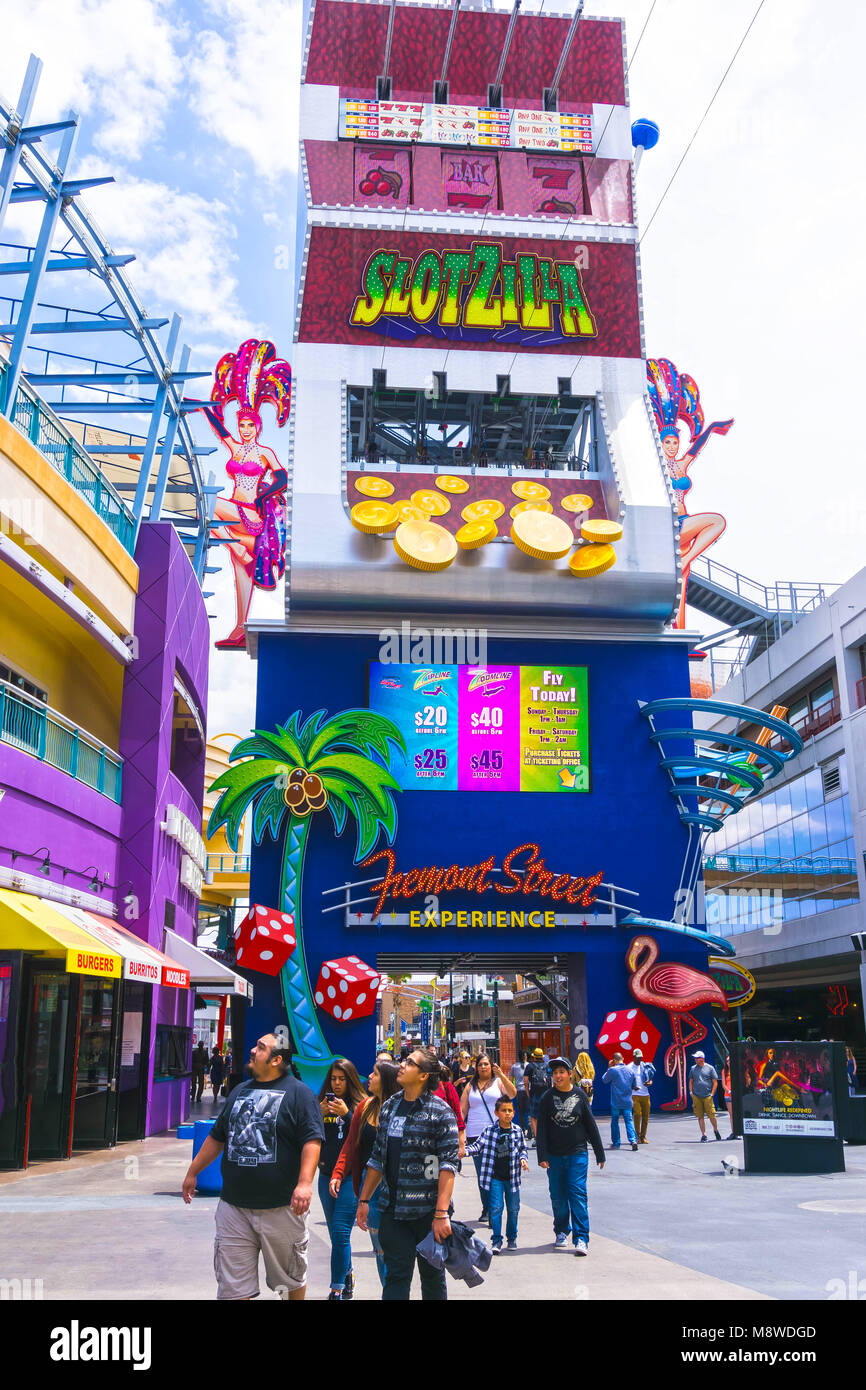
(667, 1223)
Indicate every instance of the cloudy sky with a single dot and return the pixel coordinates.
(746, 286)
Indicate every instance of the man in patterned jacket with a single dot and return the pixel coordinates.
(414, 1158)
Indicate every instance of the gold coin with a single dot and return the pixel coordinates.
(425, 545)
(475, 534)
(541, 535)
(374, 487)
(433, 503)
(448, 483)
(577, 502)
(407, 511)
(604, 531)
(590, 560)
(373, 517)
(488, 509)
(530, 492)
(520, 507)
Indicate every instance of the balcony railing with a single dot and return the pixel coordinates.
(228, 863)
(813, 723)
(41, 426)
(762, 864)
(36, 729)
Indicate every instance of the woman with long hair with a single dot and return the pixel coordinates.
(583, 1075)
(255, 514)
(447, 1092)
(462, 1072)
(339, 1098)
(478, 1103)
(355, 1153)
(675, 398)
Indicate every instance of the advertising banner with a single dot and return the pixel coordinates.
(492, 728)
(417, 290)
(785, 1088)
(466, 125)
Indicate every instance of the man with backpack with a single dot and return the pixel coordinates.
(536, 1080)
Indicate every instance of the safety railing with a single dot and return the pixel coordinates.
(36, 729)
(228, 863)
(40, 425)
(784, 596)
(762, 864)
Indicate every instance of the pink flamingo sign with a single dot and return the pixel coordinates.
(676, 988)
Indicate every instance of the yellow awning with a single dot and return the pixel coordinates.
(31, 924)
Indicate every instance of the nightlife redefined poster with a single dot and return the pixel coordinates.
(787, 1088)
(488, 728)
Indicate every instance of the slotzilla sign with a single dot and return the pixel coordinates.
(477, 293)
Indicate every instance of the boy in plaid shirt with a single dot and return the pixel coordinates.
(502, 1148)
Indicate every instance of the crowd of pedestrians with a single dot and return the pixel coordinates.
(387, 1151)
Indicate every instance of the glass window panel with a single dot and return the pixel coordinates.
(836, 827)
(808, 907)
(786, 840)
(822, 695)
(802, 842)
(849, 849)
(797, 789)
(814, 787)
(845, 803)
(756, 818)
(792, 910)
(817, 829)
(783, 802)
(771, 812)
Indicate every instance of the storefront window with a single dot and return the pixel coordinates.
(173, 1048)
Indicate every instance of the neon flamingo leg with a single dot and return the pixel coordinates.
(675, 1057)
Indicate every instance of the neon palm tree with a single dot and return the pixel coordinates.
(286, 777)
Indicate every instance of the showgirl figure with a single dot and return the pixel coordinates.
(255, 514)
(674, 398)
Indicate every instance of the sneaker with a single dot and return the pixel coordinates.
(634, 1148)
(703, 1139)
(497, 1249)
(718, 1136)
(484, 1215)
(335, 1296)
(561, 1239)
(581, 1247)
(349, 1287)
(643, 1141)
(512, 1245)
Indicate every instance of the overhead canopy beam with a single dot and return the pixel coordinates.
(440, 88)
(551, 93)
(494, 91)
(383, 83)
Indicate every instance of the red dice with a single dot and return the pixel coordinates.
(626, 1029)
(347, 988)
(265, 939)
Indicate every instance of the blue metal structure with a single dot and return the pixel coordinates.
(152, 470)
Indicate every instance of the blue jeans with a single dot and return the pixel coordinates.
(373, 1229)
(627, 1114)
(340, 1217)
(566, 1178)
(485, 1195)
(501, 1196)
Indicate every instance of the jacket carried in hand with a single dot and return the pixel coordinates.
(485, 1146)
(430, 1143)
(462, 1253)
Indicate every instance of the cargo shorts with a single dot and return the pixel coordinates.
(278, 1234)
(703, 1105)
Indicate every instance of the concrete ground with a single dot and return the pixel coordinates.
(667, 1223)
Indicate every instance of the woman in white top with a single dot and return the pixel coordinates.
(478, 1103)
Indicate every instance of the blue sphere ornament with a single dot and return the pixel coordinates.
(644, 133)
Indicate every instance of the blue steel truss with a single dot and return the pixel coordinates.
(154, 469)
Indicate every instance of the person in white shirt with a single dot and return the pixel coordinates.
(644, 1075)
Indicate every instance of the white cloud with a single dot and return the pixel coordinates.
(244, 74)
(186, 254)
(117, 63)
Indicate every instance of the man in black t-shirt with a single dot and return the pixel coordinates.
(270, 1135)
